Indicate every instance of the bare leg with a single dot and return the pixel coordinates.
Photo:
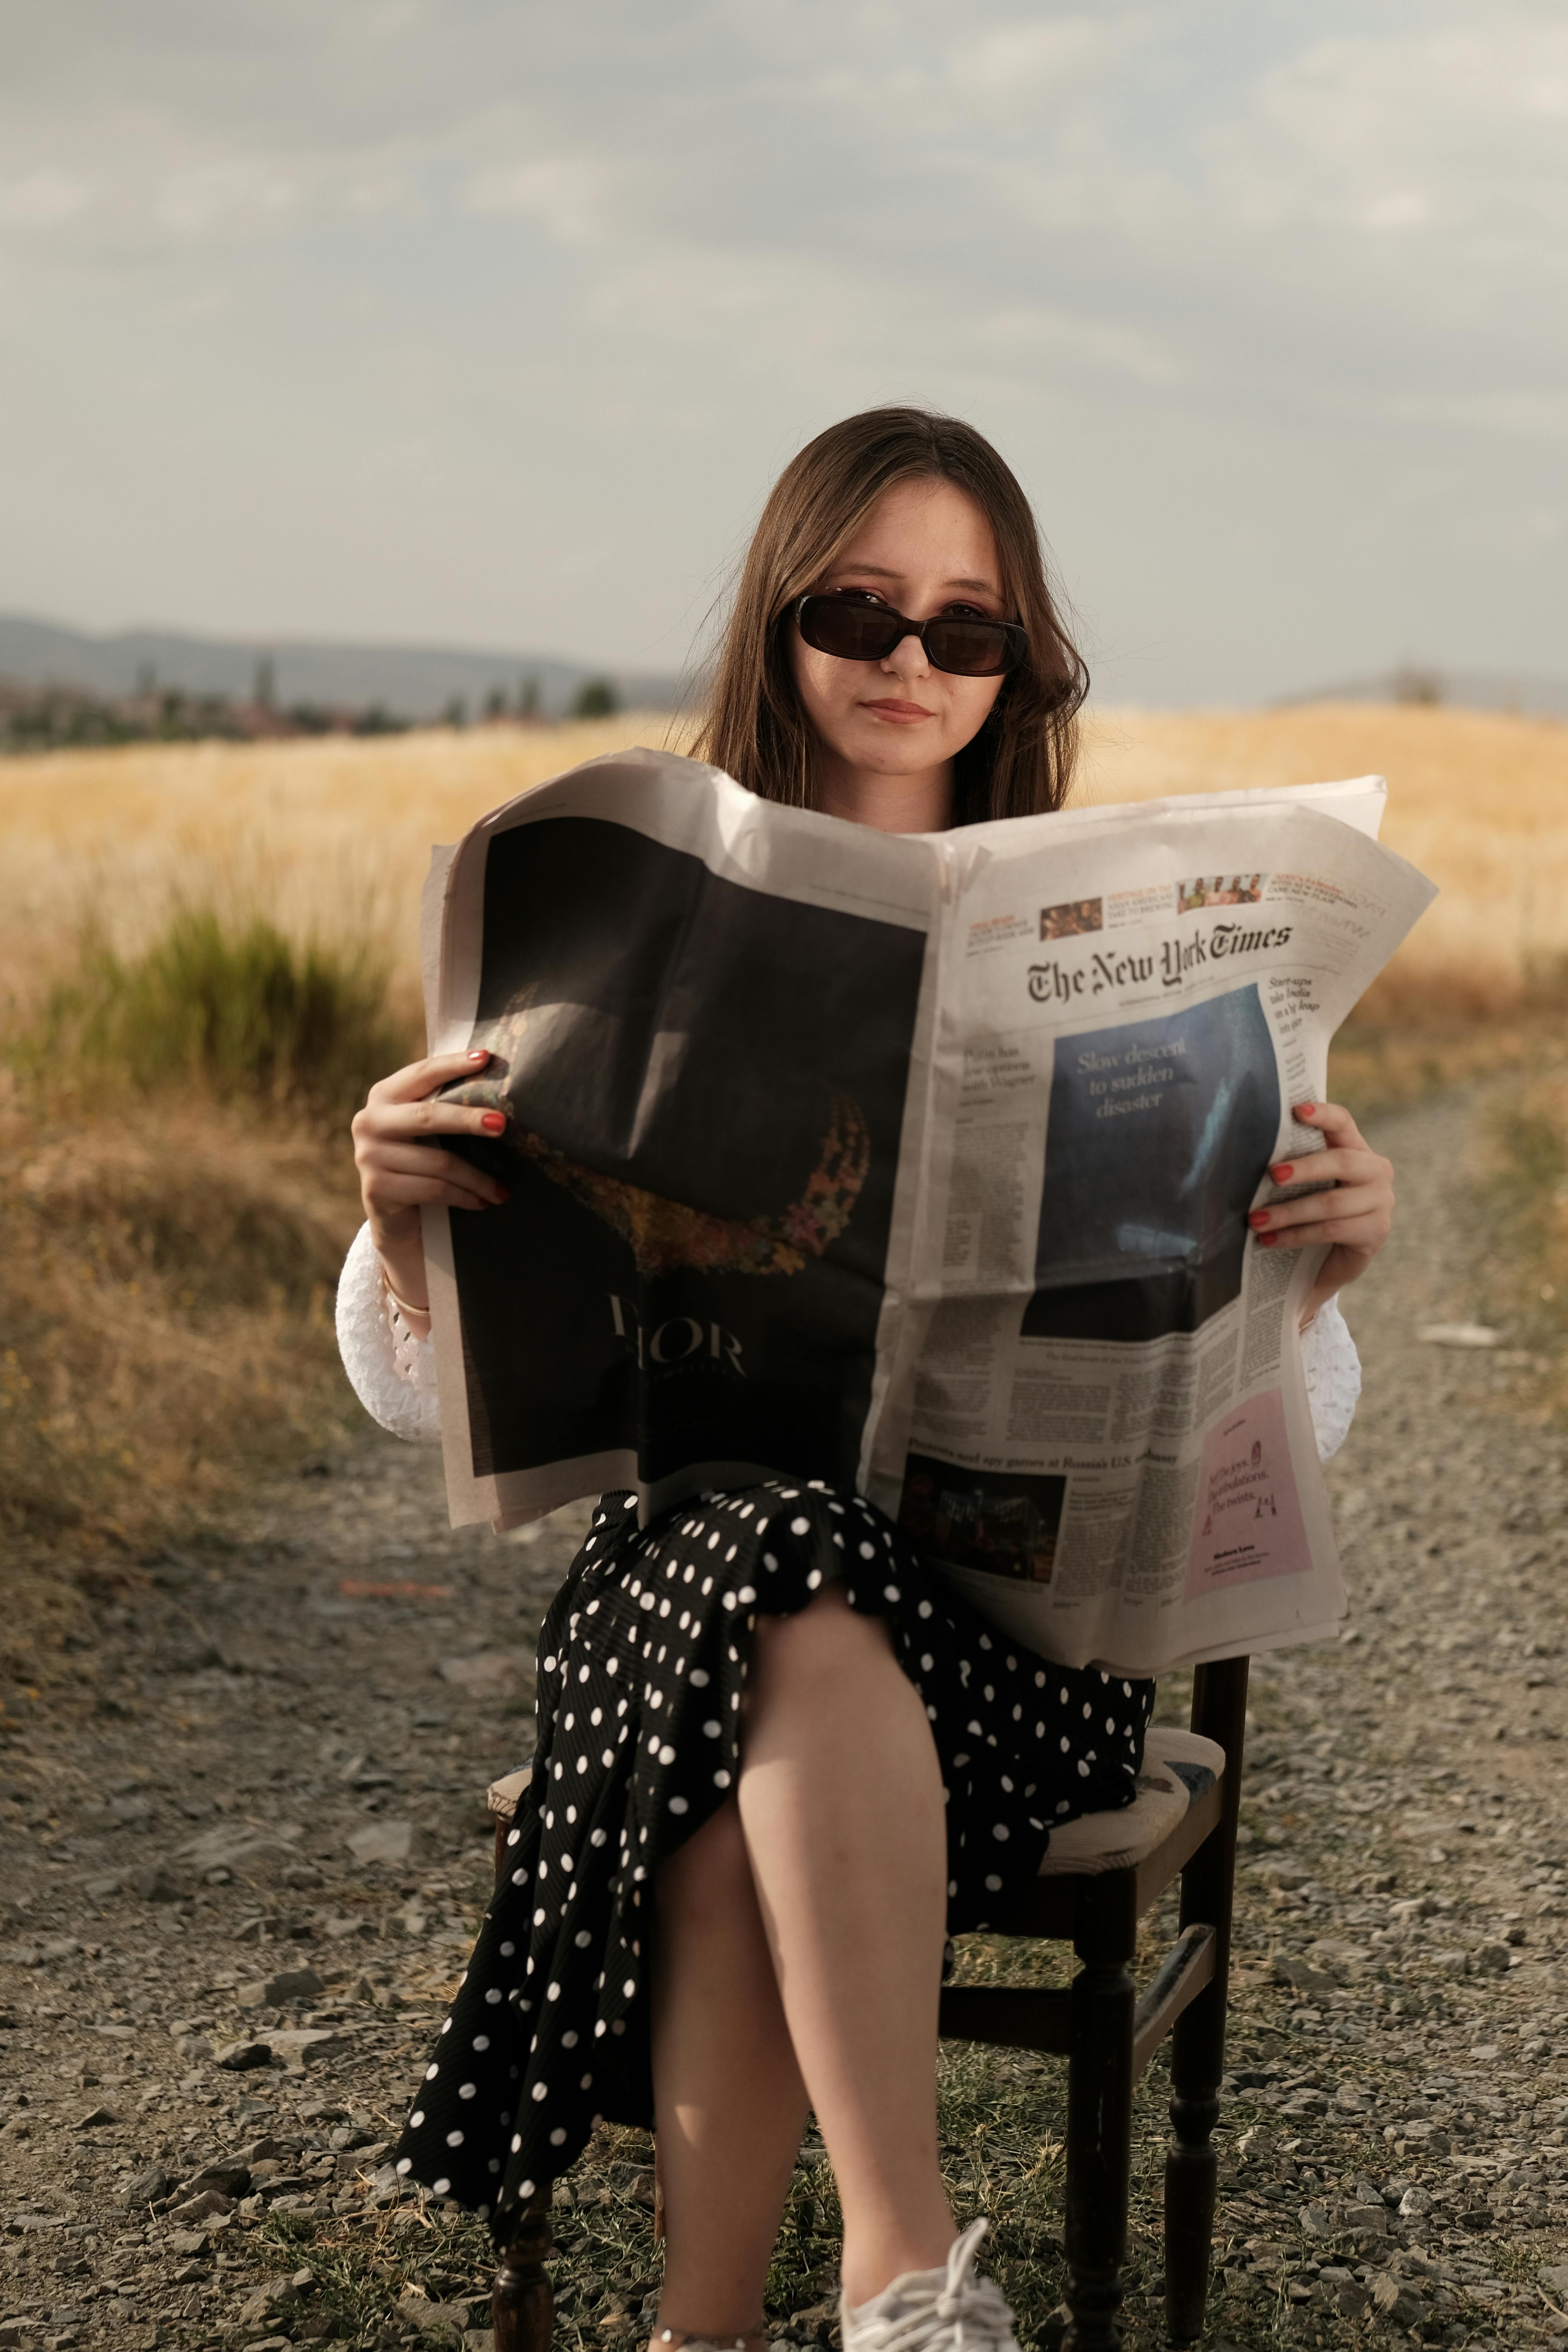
(841, 1805)
(729, 2101)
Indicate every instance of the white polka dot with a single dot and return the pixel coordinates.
(993, 1884)
(800, 1527)
(454, 2139)
(440, 2189)
(557, 2137)
(892, 1592)
(541, 2091)
(999, 1830)
(677, 1805)
(415, 2120)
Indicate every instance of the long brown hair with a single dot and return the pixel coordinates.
(1021, 762)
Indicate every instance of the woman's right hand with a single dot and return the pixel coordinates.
(399, 1172)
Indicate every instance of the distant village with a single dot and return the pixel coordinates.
(61, 718)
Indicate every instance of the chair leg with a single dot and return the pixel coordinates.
(521, 2305)
(1099, 2116)
(1197, 2045)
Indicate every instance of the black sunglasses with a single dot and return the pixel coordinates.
(868, 632)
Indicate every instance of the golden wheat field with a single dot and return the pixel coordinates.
(332, 836)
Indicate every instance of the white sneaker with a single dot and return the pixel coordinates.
(950, 2310)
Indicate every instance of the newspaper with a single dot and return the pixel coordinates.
(916, 1164)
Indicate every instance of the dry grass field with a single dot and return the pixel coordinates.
(332, 836)
(166, 1258)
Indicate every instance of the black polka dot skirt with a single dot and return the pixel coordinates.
(642, 1663)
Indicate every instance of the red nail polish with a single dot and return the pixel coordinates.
(480, 1054)
(1283, 1175)
(494, 1122)
(1266, 1240)
(1305, 1110)
(1258, 1219)
(501, 1198)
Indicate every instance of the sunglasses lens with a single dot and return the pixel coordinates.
(848, 632)
(972, 648)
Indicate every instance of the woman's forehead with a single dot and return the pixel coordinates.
(927, 530)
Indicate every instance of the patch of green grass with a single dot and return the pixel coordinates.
(238, 1009)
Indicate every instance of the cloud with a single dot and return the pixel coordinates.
(413, 242)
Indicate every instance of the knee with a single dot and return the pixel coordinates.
(820, 1643)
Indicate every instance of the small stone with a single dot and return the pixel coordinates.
(387, 1841)
(1363, 2220)
(485, 1672)
(189, 2242)
(269, 2298)
(205, 2206)
(94, 2116)
(98, 1890)
(1413, 2204)
(1494, 1960)
(227, 2179)
(192, 2274)
(153, 1884)
(291, 1984)
(1553, 2277)
(1316, 2220)
(307, 2046)
(148, 2188)
(192, 2046)
(240, 2056)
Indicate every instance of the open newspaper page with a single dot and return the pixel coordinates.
(709, 1021)
(914, 1164)
(1101, 1423)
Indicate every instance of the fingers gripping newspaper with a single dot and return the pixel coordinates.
(919, 1164)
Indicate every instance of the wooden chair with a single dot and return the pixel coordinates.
(1101, 1876)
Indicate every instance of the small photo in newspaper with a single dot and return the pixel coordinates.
(1006, 1524)
(1219, 890)
(1072, 919)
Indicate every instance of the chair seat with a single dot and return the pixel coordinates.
(501, 1797)
(1179, 1767)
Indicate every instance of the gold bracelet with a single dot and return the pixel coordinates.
(402, 1305)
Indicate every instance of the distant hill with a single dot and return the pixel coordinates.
(1465, 689)
(410, 681)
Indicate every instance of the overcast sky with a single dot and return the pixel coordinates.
(486, 321)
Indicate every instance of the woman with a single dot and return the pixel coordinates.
(859, 1768)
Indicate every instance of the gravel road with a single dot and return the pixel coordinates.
(245, 1852)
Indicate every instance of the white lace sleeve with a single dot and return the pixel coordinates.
(1333, 1367)
(393, 1380)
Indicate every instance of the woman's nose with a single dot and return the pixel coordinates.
(907, 659)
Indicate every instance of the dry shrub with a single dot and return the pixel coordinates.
(167, 1274)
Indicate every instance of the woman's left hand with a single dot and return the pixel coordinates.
(1354, 1218)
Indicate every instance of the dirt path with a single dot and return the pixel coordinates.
(260, 1823)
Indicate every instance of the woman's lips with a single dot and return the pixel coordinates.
(905, 713)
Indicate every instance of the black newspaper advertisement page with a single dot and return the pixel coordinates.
(706, 1084)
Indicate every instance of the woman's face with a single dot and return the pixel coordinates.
(925, 548)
